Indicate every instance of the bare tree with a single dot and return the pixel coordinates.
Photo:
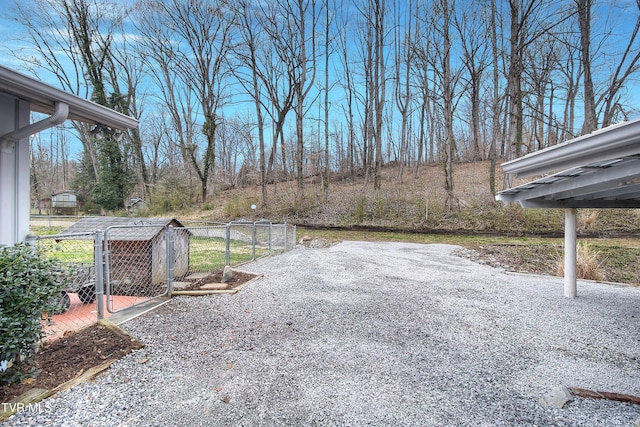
(471, 30)
(278, 78)
(627, 65)
(373, 51)
(529, 20)
(440, 22)
(198, 36)
(348, 85)
(448, 87)
(300, 28)
(178, 108)
(379, 83)
(366, 96)
(541, 63)
(248, 54)
(496, 133)
(75, 40)
(328, 24)
(48, 32)
(569, 67)
(584, 24)
(422, 45)
(404, 58)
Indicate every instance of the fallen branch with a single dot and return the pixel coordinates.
(592, 394)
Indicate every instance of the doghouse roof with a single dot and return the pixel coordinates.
(131, 229)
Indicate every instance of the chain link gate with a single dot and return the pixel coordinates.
(138, 262)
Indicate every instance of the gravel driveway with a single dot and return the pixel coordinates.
(371, 334)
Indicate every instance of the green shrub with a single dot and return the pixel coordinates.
(420, 210)
(208, 206)
(239, 208)
(29, 288)
(380, 208)
(360, 209)
(91, 208)
(171, 195)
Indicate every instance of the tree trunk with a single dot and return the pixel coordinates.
(584, 23)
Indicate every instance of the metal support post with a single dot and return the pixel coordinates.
(286, 236)
(169, 259)
(107, 272)
(227, 254)
(570, 254)
(253, 242)
(99, 270)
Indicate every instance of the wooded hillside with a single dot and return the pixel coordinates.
(231, 94)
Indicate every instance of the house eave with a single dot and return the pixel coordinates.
(44, 97)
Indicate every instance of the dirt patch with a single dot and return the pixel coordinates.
(536, 259)
(239, 278)
(71, 355)
(618, 264)
(308, 242)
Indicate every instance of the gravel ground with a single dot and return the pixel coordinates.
(371, 334)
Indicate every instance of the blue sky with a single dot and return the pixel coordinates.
(9, 36)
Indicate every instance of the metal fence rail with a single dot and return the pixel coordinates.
(122, 266)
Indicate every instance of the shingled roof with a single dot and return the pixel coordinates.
(118, 228)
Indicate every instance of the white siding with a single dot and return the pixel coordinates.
(14, 172)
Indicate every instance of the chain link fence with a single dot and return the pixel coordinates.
(124, 265)
(135, 267)
(74, 256)
(213, 246)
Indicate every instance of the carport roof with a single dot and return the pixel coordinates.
(43, 99)
(600, 170)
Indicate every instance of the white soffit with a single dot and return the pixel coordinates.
(43, 98)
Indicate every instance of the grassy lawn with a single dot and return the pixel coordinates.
(42, 230)
(68, 251)
(208, 253)
(205, 253)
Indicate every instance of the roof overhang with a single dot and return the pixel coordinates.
(43, 99)
(602, 171)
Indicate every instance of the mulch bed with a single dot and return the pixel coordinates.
(239, 278)
(74, 353)
(71, 355)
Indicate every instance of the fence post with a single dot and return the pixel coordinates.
(227, 255)
(169, 259)
(107, 267)
(253, 242)
(97, 261)
(286, 236)
(30, 240)
(270, 238)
